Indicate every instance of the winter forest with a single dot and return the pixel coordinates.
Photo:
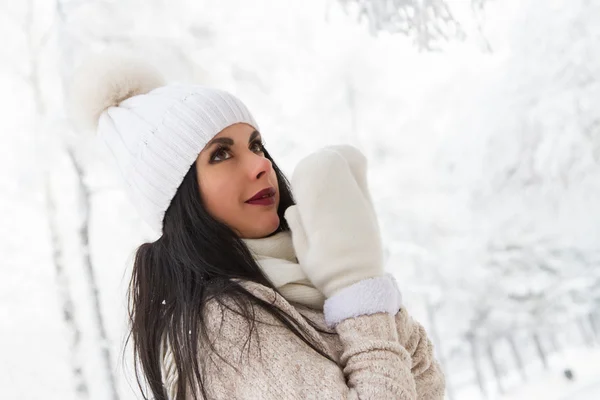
(479, 119)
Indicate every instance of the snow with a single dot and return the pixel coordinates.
(553, 385)
(483, 167)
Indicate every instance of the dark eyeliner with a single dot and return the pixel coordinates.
(215, 152)
(259, 142)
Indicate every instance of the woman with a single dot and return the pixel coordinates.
(247, 294)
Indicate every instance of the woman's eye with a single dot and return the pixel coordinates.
(220, 155)
(258, 147)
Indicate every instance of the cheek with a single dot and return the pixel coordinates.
(220, 197)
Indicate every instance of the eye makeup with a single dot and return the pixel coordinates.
(223, 149)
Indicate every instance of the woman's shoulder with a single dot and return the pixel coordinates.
(239, 312)
(230, 302)
(261, 294)
(243, 336)
(230, 319)
(242, 365)
(232, 308)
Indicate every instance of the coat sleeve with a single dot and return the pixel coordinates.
(429, 378)
(276, 364)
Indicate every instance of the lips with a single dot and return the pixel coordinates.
(264, 198)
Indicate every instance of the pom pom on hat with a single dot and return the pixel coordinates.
(154, 138)
(104, 81)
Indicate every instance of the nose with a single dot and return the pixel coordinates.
(258, 166)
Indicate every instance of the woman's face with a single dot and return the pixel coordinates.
(232, 169)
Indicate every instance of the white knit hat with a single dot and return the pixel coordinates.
(155, 132)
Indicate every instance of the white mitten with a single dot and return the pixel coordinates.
(335, 230)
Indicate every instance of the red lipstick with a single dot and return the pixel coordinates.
(265, 197)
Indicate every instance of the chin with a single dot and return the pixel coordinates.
(274, 226)
(268, 227)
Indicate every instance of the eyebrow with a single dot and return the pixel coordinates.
(229, 142)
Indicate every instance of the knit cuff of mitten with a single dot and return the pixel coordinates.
(369, 296)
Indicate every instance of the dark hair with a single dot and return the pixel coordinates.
(193, 261)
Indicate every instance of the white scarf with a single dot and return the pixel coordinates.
(277, 258)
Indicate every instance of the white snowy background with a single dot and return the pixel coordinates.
(480, 120)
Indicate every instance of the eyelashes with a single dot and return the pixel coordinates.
(216, 152)
(259, 144)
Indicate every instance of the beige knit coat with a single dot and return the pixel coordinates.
(378, 356)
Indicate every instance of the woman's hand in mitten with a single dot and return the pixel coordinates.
(334, 227)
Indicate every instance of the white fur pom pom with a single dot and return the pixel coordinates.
(105, 80)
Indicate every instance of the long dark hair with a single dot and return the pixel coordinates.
(195, 260)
